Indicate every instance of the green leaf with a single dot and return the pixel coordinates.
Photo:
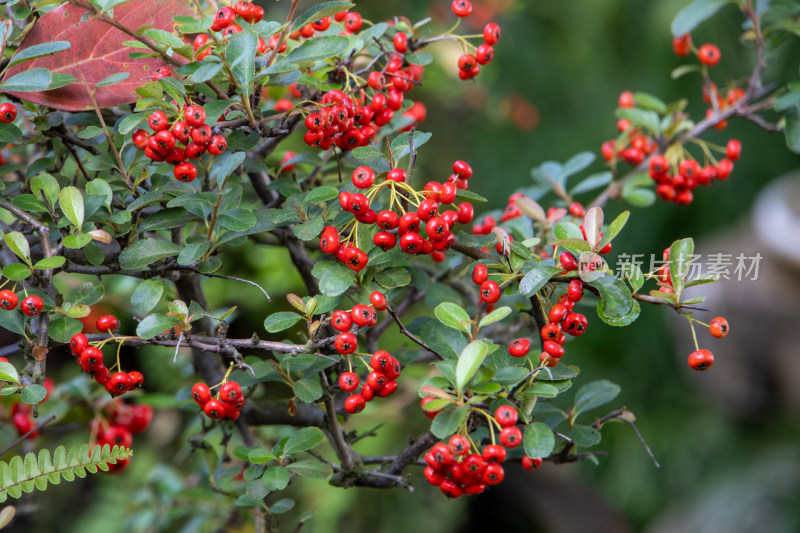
(143, 252)
(8, 372)
(17, 243)
(310, 468)
(308, 389)
(577, 163)
(616, 301)
(155, 324)
(164, 37)
(614, 228)
(593, 395)
(791, 129)
(32, 394)
(320, 11)
(45, 186)
(469, 362)
(224, 165)
(639, 197)
(690, 16)
(237, 220)
(536, 278)
(49, 263)
(367, 152)
(79, 311)
(61, 79)
(214, 110)
(400, 145)
(10, 134)
(33, 80)
(680, 262)
(595, 181)
(334, 278)
(276, 478)
(38, 50)
(310, 229)
(280, 321)
(321, 194)
(303, 440)
(87, 293)
(16, 271)
(318, 49)
(649, 102)
(392, 278)
(453, 316)
(113, 79)
(260, 456)
(62, 329)
(538, 440)
(241, 52)
(584, 436)
(71, 201)
(130, 122)
(99, 187)
(647, 120)
(449, 420)
(147, 294)
(498, 314)
(193, 252)
(77, 241)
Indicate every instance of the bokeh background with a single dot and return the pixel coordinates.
(726, 439)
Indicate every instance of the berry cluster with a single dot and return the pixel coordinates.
(469, 65)
(21, 414)
(350, 21)
(396, 224)
(225, 21)
(90, 359)
(8, 112)
(116, 424)
(31, 305)
(226, 404)
(188, 129)
(456, 468)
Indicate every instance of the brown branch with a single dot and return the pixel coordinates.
(410, 335)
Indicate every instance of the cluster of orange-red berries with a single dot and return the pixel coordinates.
(116, 423)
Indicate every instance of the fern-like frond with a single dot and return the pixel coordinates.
(22, 475)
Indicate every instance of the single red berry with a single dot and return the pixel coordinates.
(195, 116)
(575, 290)
(511, 437)
(626, 100)
(568, 261)
(353, 22)
(451, 489)
(8, 112)
(553, 349)
(557, 313)
(397, 175)
(480, 273)
(719, 327)
(107, 323)
(461, 8)
(506, 415)
(185, 172)
(8, 300)
(214, 408)
(140, 138)
(137, 378)
(491, 34)
(484, 54)
(355, 403)
(577, 210)
(493, 474)
(201, 393)
(91, 358)
(433, 477)
(459, 444)
(465, 213)
(120, 383)
(78, 344)
(682, 44)
(363, 315)
(348, 381)
(329, 241)
(519, 347)
(32, 305)
(733, 150)
(346, 343)
(494, 453)
(341, 320)
(531, 463)
(490, 291)
(158, 121)
(24, 423)
(363, 177)
(378, 300)
(230, 391)
(724, 169)
(384, 240)
(701, 359)
(708, 54)
(217, 145)
(401, 42)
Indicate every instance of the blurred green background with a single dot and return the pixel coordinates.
(549, 94)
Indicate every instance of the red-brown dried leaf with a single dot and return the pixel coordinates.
(97, 52)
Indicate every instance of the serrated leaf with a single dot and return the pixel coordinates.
(310, 468)
(259, 456)
(63, 328)
(276, 478)
(469, 362)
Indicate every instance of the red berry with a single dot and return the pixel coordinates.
(519, 348)
(531, 463)
(8, 112)
(32, 305)
(346, 343)
(120, 383)
(348, 381)
(719, 327)
(78, 344)
(353, 22)
(401, 42)
(484, 54)
(511, 437)
(701, 359)
(107, 323)
(465, 213)
(363, 315)
(201, 393)
(575, 290)
(378, 300)
(230, 392)
(396, 174)
(363, 177)
(185, 172)
(217, 145)
(490, 291)
(195, 116)
(724, 169)
(461, 8)
(140, 138)
(91, 358)
(8, 300)
(354, 404)
(493, 474)
(494, 453)
(158, 121)
(214, 408)
(479, 274)
(733, 149)
(459, 444)
(341, 320)
(384, 240)
(429, 414)
(568, 261)
(506, 415)
(708, 54)
(626, 100)
(553, 349)
(491, 34)
(682, 44)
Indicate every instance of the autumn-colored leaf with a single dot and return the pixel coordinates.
(97, 52)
